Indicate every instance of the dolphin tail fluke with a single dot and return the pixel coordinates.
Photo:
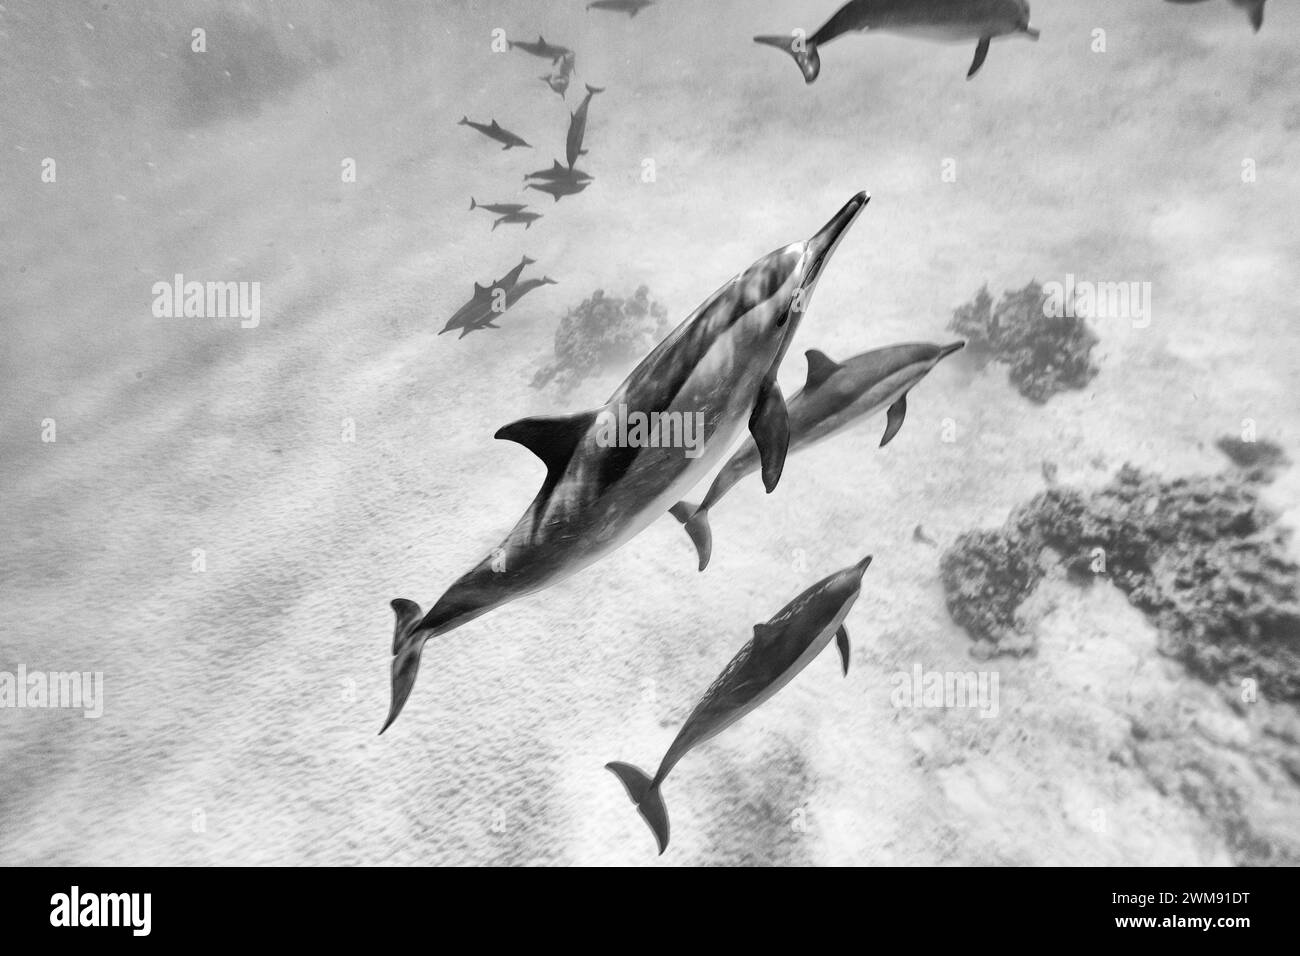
(472, 204)
(696, 522)
(408, 642)
(645, 796)
(1255, 11)
(803, 50)
(593, 90)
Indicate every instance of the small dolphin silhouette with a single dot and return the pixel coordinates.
(495, 131)
(578, 127)
(500, 208)
(483, 294)
(947, 21)
(630, 7)
(721, 362)
(547, 51)
(559, 188)
(835, 396)
(558, 171)
(1254, 10)
(527, 218)
(489, 313)
(778, 651)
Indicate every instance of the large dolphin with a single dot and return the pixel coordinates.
(495, 131)
(778, 651)
(719, 365)
(1254, 9)
(500, 208)
(834, 397)
(527, 218)
(578, 126)
(946, 21)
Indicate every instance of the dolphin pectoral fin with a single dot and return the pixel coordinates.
(894, 421)
(842, 642)
(769, 423)
(981, 51)
(820, 368)
(696, 521)
(645, 796)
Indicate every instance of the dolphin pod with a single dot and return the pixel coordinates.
(835, 396)
(1254, 10)
(946, 21)
(779, 650)
(720, 363)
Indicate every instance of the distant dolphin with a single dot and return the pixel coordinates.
(485, 294)
(578, 127)
(487, 314)
(630, 7)
(1254, 9)
(559, 188)
(558, 171)
(546, 51)
(514, 218)
(779, 650)
(834, 397)
(496, 132)
(947, 21)
(719, 366)
(500, 208)
(558, 79)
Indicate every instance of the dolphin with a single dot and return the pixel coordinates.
(558, 171)
(578, 126)
(834, 397)
(486, 294)
(558, 78)
(1254, 9)
(500, 208)
(547, 51)
(559, 188)
(494, 131)
(527, 218)
(719, 364)
(630, 7)
(947, 21)
(778, 651)
(489, 312)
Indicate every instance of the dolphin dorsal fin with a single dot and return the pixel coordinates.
(481, 290)
(551, 438)
(820, 368)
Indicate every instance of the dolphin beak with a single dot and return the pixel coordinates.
(821, 246)
(949, 349)
(861, 566)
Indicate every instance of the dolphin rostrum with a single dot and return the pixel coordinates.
(558, 171)
(500, 208)
(719, 367)
(485, 295)
(527, 218)
(1254, 9)
(487, 313)
(947, 21)
(495, 131)
(578, 126)
(547, 51)
(834, 397)
(778, 651)
(630, 7)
